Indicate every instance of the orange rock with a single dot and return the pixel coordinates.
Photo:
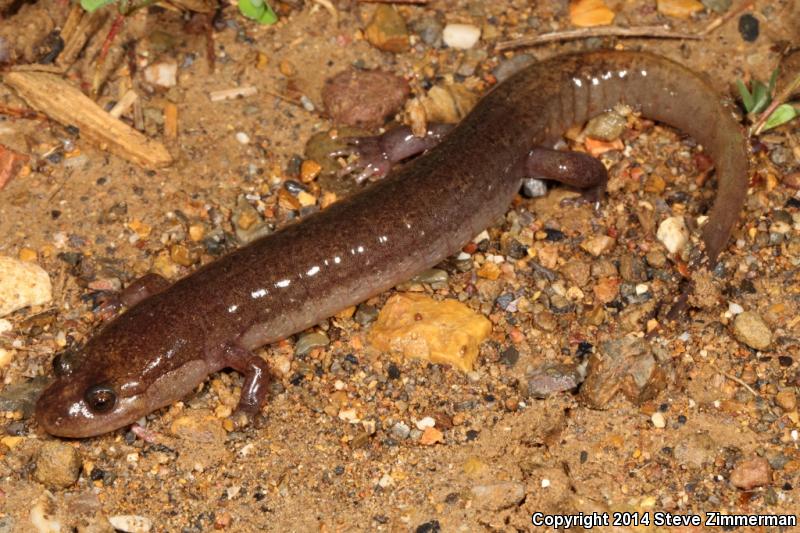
(431, 436)
(679, 8)
(588, 13)
(418, 326)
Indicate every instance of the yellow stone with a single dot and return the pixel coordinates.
(489, 270)
(309, 170)
(26, 254)
(588, 13)
(10, 442)
(420, 327)
(140, 228)
(196, 232)
(473, 466)
(679, 8)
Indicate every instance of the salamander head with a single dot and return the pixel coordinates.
(110, 385)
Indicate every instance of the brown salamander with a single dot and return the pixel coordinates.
(160, 349)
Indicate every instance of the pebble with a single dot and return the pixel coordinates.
(387, 30)
(400, 431)
(551, 378)
(624, 365)
(748, 27)
(606, 126)
(598, 245)
(679, 8)
(786, 400)
(717, 6)
(21, 397)
(696, 449)
(308, 341)
(462, 36)
(163, 73)
(5, 326)
(658, 420)
(425, 423)
(735, 309)
(534, 188)
(242, 137)
(364, 98)
(431, 436)
(130, 523)
(751, 473)
(673, 234)
(57, 465)
(429, 30)
(498, 496)
(750, 329)
(22, 284)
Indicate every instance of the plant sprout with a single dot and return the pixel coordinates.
(761, 100)
(257, 10)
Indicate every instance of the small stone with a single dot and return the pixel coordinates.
(656, 258)
(498, 496)
(309, 170)
(697, 449)
(462, 36)
(308, 341)
(551, 379)
(181, 255)
(786, 400)
(658, 420)
(431, 436)
(400, 431)
(748, 27)
(57, 465)
(576, 271)
(598, 245)
(287, 68)
(606, 126)
(679, 8)
(535, 188)
(22, 284)
(750, 329)
(197, 232)
(387, 30)
(242, 137)
(717, 6)
(607, 289)
(364, 98)
(27, 254)
(131, 523)
(673, 234)
(163, 74)
(425, 423)
(589, 13)
(365, 314)
(735, 309)
(429, 30)
(751, 473)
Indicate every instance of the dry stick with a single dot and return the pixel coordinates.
(740, 382)
(716, 23)
(655, 32)
(776, 102)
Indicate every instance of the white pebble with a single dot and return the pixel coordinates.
(5, 357)
(242, 137)
(642, 288)
(545, 483)
(22, 284)
(385, 481)
(480, 237)
(735, 309)
(658, 420)
(673, 234)
(163, 74)
(5, 325)
(462, 36)
(131, 523)
(349, 415)
(42, 520)
(425, 423)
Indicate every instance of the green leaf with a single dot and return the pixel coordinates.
(773, 79)
(94, 5)
(761, 97)
(747, 98)
(258, 11)
(782, 114)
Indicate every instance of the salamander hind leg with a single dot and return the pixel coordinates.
(575, 169)
(257, 377)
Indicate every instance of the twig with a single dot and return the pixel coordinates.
(742, 383)
(654, 32)
(776, 102)
(21, 113)
(331, 9)
(716, 23)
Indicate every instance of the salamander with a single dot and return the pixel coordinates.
(163, 346)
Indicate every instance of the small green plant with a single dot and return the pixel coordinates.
(765, 110)
(257, 10)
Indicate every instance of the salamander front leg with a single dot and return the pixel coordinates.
(257, 377)
(138, 290)
(378, 153)
(575, 169)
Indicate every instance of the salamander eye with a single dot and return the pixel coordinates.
(100, 398)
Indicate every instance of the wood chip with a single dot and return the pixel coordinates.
(170, 120)
(230, 94)
(65, 103)
(124, 104)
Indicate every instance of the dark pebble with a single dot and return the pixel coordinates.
(785, 360)
(554, 235)
(472, 434)
(352, 359)
(584, 456)
(97, 474)
(664, 407)
(681, 419)
(381, 519)
(793, 202)
(297, 379)
(748, 27)
(510, 356)
(339, 470)
(517, 250)
(393, 372)
(22, 396)
(56, 157)
(666, 450)
(504, 300)
(429, 30)
(365, 314)
(429, 527)
(489, 398)
(294, 187)
(584, 349)
(787, 486)
(54, 214)
(71, 258)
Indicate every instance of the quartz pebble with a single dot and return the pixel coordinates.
(673, 234)
(751, 473)
(163, 74)
(131, 523)
(658, 420)
(22, 284)
(463, 36)
(498, 496)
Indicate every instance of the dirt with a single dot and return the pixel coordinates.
(303, 467)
